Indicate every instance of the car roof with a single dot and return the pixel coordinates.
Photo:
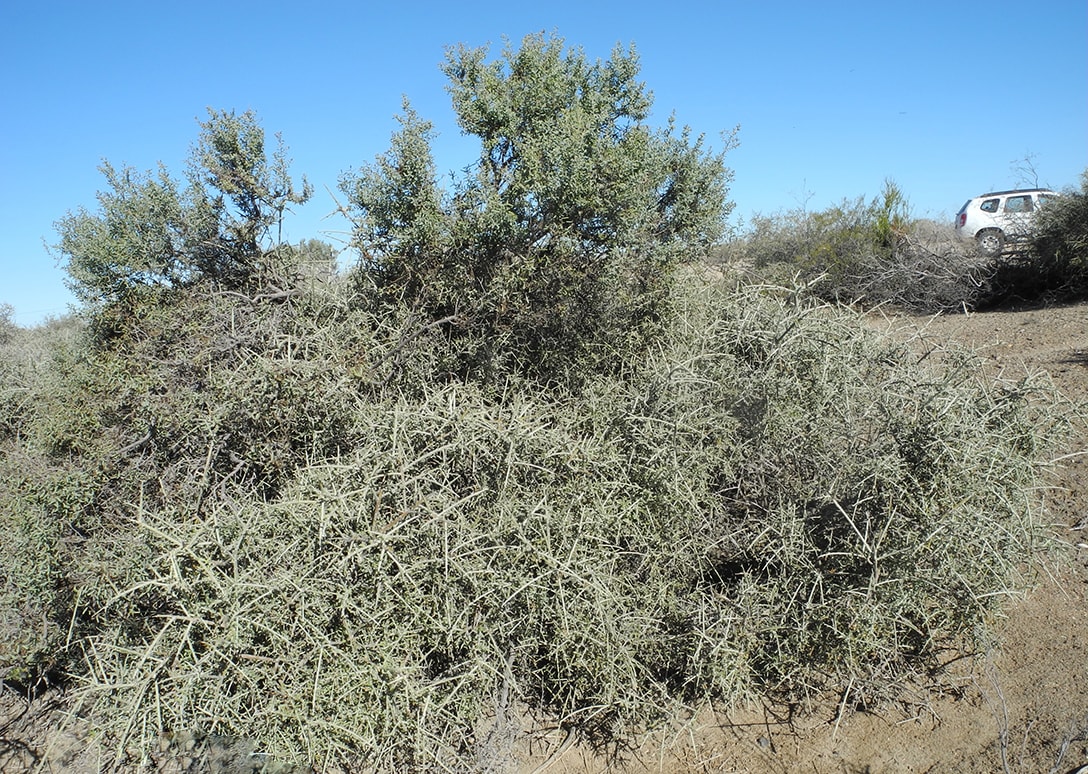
(1014, 191)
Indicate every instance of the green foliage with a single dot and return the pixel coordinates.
(138, 240)
(1061, 233)
(891, 216)
(557, 251)
(230, 164)
(401, 214)
(835, 242)
(150, 237)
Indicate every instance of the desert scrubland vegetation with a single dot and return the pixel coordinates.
(545, 444)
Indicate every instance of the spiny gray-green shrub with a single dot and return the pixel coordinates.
(7, 323)
(37, 494)
(555, 251)
(870, 253)
(286, 512)
(152, 268)
(266, 539)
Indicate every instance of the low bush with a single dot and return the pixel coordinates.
(870, 253)
(874, 253)
(1054, 264)
(272, 534)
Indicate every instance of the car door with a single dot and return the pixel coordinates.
(1017, 211)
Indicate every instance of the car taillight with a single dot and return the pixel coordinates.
(961, 220)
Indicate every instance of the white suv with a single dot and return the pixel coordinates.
(995, 218)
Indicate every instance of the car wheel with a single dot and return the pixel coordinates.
(990, 243)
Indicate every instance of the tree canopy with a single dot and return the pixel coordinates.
(151, 233)
(559, 243)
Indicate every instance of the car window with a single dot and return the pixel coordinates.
(990, 205)
(1018, 204)
(1044, 198)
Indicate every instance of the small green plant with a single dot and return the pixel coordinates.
(891, 217)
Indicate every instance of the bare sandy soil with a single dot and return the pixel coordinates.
(1019, 706)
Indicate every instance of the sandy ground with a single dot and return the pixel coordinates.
(1020, 706)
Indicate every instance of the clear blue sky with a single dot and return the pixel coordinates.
(831, 98)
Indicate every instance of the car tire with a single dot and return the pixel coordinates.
(990, 242)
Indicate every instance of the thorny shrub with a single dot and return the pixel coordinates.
(367, 523)
(266, 520)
